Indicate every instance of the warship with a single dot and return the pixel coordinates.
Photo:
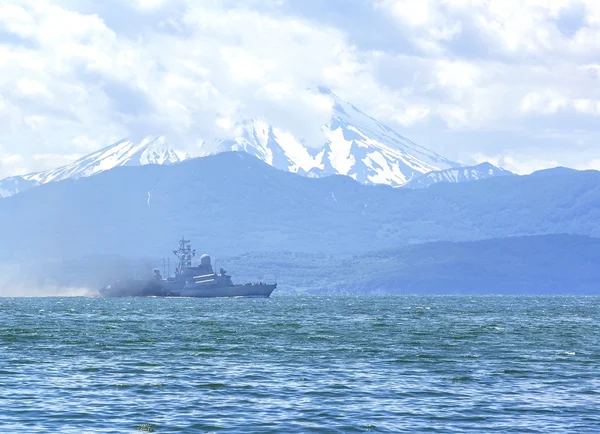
(189, 281)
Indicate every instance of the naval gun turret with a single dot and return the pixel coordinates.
(205, 263)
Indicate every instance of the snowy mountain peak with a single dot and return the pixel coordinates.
(151, 150)
(354, 144)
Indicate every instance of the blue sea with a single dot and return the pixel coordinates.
(299, 364)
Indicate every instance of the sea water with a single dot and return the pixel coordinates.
(300, 364)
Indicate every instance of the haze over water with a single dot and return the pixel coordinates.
(300, 364)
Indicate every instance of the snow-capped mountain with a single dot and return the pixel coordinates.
(462, 174)
(355, 145)
(151, 150)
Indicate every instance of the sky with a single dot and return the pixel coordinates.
(513, 82)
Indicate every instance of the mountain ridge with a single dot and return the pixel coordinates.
(233, 202)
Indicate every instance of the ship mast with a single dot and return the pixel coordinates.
(185, 254)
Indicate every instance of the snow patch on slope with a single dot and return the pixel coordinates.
(340, 152)
(474, 173)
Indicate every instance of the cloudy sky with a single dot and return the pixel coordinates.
(514, 82)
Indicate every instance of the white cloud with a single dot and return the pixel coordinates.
(15, 164)
(85, 144)
(32, 88)
(72, 80)
(149, 5)
(235, 63)
(587, 106)
(426, 21)
(590, 165)
(457, 74)
(546, 102)
(412, 115)
(511, 27)
(11, 164)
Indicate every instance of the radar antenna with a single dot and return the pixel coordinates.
(185, 254)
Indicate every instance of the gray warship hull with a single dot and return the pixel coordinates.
(149, 288)
(250, 291)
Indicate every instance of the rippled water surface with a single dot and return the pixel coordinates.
(300, 364)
